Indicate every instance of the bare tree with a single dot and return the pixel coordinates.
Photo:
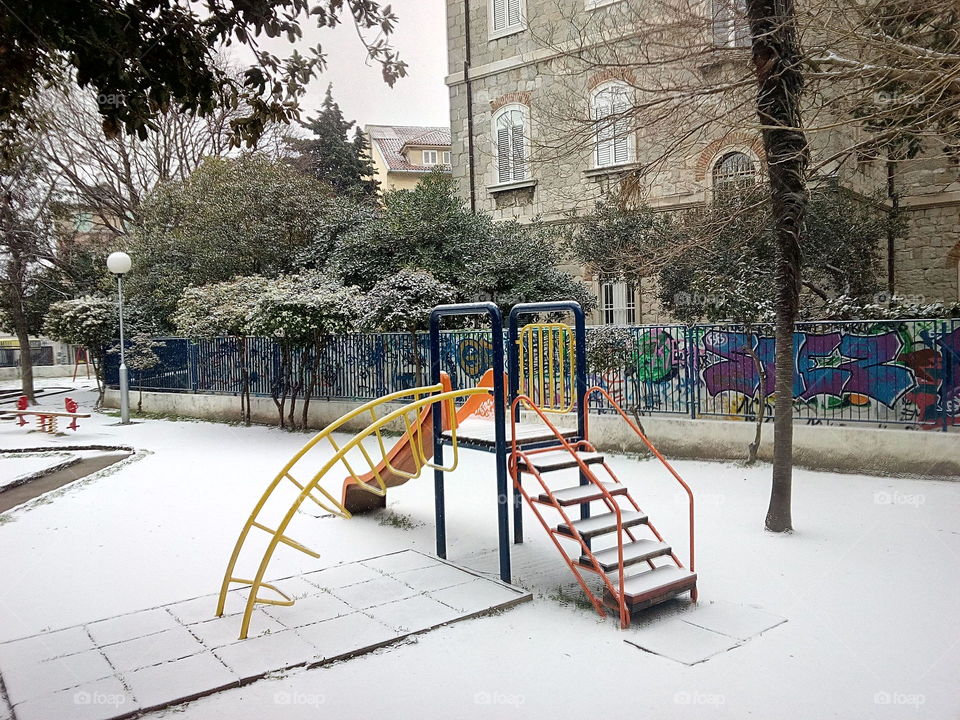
(27, 192)
(109, 178)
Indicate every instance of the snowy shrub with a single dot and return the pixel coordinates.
(609, 348)
(304, 308)
(88, 321)
(219, 309)
(404, 301)
(883, 307)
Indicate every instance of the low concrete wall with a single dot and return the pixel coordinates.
(226, 408)
(41, 371)
(851, 449)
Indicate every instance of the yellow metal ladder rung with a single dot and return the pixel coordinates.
(287, 541)
(286, 602)
(312, 496)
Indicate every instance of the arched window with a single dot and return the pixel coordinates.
(733, 171)
(610, 106)
(510, 130)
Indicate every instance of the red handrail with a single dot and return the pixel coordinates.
(639, 432)
(586, 472)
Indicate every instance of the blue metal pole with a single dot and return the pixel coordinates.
(439, 507)
(499, 419)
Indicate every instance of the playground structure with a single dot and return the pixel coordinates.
(506, 414)
(46, 418)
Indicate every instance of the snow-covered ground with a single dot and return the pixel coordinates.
(868, 584)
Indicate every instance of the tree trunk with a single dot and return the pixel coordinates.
(754, 447)
(23, 339)
(417, 360)
(776, 59)
(16, 271)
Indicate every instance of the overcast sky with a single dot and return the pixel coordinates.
(418, 99)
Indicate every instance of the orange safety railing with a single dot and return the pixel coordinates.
(667, 465)
(516, 455)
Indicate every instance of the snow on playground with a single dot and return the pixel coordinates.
(868, 586)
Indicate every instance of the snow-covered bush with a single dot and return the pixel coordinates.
(304, 309)
(882, 307)
(219, 309)
(610, 348)
(302, 312)
(88, 321)
(403, 302)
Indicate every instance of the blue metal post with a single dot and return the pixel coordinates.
(439, 506)
(499, 420)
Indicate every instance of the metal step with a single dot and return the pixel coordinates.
(559, 460)
(657, 585)
(633, 552)
(583, 493)
(602, 524)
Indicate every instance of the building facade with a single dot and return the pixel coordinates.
(540, 93)
(402, 155)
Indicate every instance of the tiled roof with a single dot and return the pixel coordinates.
(392, 139)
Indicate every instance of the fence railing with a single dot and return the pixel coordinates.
(904, 372)
(42, 355)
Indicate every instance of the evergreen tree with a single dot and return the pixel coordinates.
(329, 155)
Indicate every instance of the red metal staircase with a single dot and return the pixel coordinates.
(635, 572)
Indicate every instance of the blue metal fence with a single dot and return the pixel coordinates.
(904, 372)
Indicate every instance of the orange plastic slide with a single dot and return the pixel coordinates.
(401, 457)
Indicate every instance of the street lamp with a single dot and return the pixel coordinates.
(119, 264)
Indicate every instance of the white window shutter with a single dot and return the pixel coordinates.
(519, 156)
(722, 23)
(606, 130)
(621, 148)
(621, 128)
(503, 154)
(741, 25)
(513, 12)
(499, 14)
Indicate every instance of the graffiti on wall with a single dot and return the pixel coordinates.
(898, 374)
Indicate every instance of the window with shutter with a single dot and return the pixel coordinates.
(511, 149)
(506, 15)
(613, 143)
(618, 303)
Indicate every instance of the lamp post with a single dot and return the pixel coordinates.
(119, 264)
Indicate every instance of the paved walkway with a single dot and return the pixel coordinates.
(154, 658)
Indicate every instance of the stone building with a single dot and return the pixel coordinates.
(532, 83)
